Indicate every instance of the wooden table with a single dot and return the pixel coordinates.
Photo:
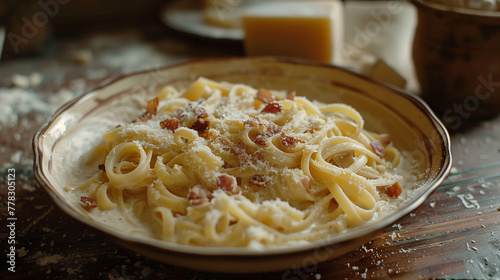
(455, 234)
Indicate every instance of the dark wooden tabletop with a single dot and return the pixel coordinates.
(454, 234)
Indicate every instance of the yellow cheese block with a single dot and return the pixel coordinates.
(309, 30)
(297, 37)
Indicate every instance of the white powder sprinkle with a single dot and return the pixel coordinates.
(402, 250)
(16, 157)
(28, 187)
(21, 81)
(35, 79)
(83, 56)
(393, 236)
(17, 101)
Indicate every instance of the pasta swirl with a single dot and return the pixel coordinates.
(221, 164)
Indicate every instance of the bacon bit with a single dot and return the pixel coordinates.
(258, 181)
(228, 184)
(273, 107)
(200, 126)
(274, 128)
(89, 202)
(102, 167)
(291, 96)
(333, 205)
(288, 141)
(171, 124)
(200, 113)
(264, 95)
(151, 109)
(306, 182)
(152, 106)
(378, 148)
(393, 191)
(199, 194)
(385, 139)
(261, 139)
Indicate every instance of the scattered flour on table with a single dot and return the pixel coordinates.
(22, 252)
(17, 102)
(23, 81)
(49, 259)
(23, 108)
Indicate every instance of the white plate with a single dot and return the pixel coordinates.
(186, 16)
(58, 147)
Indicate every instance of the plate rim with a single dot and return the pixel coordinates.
(355, 233)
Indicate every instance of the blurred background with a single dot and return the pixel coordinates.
(71, 18)
(446, 51)
(125, 36)
(56, 50)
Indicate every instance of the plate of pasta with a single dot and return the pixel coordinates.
(262, 163)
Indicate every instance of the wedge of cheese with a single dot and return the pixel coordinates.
(374, 67)
(304, 29)
(381, 71)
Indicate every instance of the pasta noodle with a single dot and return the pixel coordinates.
(221, 164)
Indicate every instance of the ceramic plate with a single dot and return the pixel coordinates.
(413, 128)
(186, 16)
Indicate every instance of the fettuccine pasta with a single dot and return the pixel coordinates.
(221, 164)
